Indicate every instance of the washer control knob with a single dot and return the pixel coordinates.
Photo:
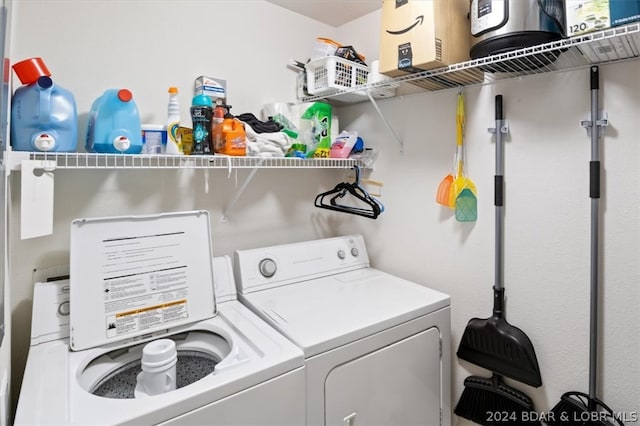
(267, 267)
(354, 252)
(341, 254)
(63, 308)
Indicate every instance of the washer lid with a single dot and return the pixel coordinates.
(328, 312)
(139, 275)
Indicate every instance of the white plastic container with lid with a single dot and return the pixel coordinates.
(154, 139)
(174, 145)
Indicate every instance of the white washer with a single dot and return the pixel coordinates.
(377, 347)
(232, 368)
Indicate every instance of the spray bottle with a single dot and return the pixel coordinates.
(174, 145)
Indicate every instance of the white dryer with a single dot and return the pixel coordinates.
(377, 347)
(135, 281)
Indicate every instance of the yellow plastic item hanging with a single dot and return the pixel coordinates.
(461, 181)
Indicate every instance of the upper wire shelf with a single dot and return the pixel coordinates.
(605, 46)
(78, 160)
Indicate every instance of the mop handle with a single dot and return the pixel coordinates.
(594, 194)
(498, 201)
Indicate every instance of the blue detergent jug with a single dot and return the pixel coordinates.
(114, 124)
(44, 118)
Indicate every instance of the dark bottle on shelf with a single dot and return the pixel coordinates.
(201, 114)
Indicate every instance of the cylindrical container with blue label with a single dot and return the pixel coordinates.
(44, 118)
(154, 139)
(201, 115)
(114, 124)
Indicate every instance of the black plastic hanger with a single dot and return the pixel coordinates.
(350, 198)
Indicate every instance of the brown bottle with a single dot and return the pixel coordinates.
(217, 130)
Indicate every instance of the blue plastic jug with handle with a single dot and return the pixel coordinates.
(44, 118)
(114, 124)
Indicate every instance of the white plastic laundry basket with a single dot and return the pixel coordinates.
(332, 73)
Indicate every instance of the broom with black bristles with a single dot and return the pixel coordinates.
(495, 344)
(577, 408)
(488, 401)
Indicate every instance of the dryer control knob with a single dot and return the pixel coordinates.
(267, 267)
(354, 252)
(341, 254)
(63, 308)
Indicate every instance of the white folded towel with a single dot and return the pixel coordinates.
(274, 144)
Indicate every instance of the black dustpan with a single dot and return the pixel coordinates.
(493, 343)
(496, 345)
(580, 409)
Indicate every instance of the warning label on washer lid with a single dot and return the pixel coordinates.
(149, 317)
(144, 282)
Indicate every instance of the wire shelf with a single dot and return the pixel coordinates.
(605, 46)
(77, 160)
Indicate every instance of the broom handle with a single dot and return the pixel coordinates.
(594, 194)
(498, 288)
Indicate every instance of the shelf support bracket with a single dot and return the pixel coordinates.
(238, 193)
(384, 120)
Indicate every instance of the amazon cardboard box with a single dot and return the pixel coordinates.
(419, 35)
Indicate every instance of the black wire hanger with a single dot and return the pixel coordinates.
(352, 198)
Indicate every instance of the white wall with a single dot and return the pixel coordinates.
(547, 216)
(95, 45)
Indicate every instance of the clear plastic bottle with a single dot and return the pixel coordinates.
(173, 123)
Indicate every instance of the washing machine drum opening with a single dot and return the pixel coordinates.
(114, 374)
